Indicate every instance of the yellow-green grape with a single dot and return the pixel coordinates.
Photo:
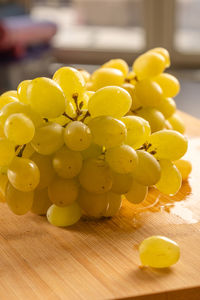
(164, 52)
(77, 136)
(107, 131)
(93, 204)
(19, 202)
(63, 192)
(27, 152)
(147, 171)
(169, 84)
(90, 94)
(2, 135)
(122, 159)
(41, 202)
(121, 183)
(62, 120)
(22, 91)
(71, 81)
(167, 107)
(130, 88)
(138, 130)
(177, 123)
(168, 144)
(23, 174)
(184, 167)
(64, 216)
(48, 139)
(170, 181)
(12, 93)
(117, 63)
(111, 101)
(149, 65)
(103, 77)
(137, 193)
(46, 97)
(67, 163)
(131, 78)
(153, 116)
(149, 93)
(92, 151)
(3, 185)
(114, 204)
(168, 125)
(85, 74)
(7, 152)
(19, 129)
(47, 173)
(6, 99)
(159, 252)
(95, 176)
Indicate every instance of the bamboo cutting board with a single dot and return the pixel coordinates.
(99, 260)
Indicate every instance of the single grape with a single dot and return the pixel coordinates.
(3, 185)
(48, 139)
(106, 77)
(130, 88)
(92, 151)
(147, 171)
(7, 152)
(107, 131)
(6, 100)
(153, 116)
(114, 204)
(41, 202)
(46, 97)
(117, 63)
(164, 53)
(19, 129)
(63, 192)
(121, 182)
(159, 252)
(77, 136)
(12, 93)
(137, 193)
(169, 84)
(22, 91)
(168, 144)
(167, 107)
(64, 216)
(122, 159)
(19, 202)
(67, 163)
(177, 123)
(23, 174)
(47, 173)
(95, 176)
(184, 167)
(111, 101)
(85, 74)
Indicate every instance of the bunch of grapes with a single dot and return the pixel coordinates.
(80, 143)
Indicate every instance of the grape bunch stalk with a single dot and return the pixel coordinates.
(80, 143)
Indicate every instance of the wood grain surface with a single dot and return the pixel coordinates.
(99, 259)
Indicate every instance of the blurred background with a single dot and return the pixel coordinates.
(38, 36)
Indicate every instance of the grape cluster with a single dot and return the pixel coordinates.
(79, 143)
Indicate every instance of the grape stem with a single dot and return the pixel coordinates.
(78, 106)
(66, 115)
(21, 151)
(85, 116)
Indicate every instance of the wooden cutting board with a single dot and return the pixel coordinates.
(99, 259)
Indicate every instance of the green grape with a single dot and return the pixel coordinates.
(95, 176)
(114, 204)
(170, 181)
(47, 173)
(27, 152)
(107, 131)
(3, 185)
(121, 182)
(22, 91)
(103, 77)
(118, 64)
(41, 202)
(64, 216)
(148, 65)
(149, 93)
(85, 74)
(62, 120)
(167, 107)
(138, 130)
(19, 129)
(48, 139)
(169, 84)
(168, 144)
(93, 204)
(67, 163)
(130, 88)
(46, 97)
(12, 93)
(77, 136)
(168, 125)
(177, 123)
(184, 167)
(23, 174)
(147, 171)
(19, 202)
(122, 159)
(111, 101)
(164, 53)
(7, 152)
(6, 99)
(159, 252)
(153, 116)
(92, 151)
(63, 192)
(137, 193)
